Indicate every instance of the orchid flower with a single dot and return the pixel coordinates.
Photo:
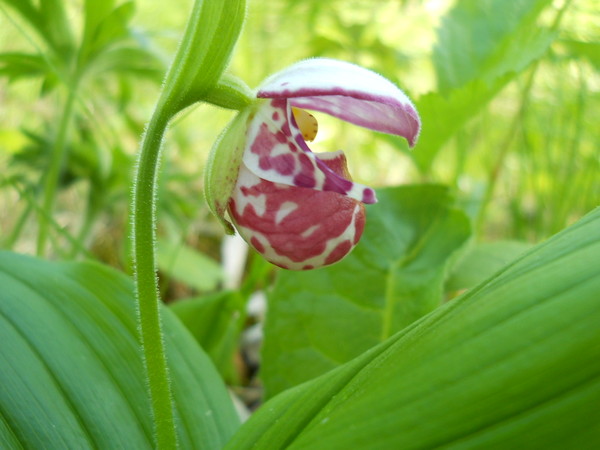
(299, 209)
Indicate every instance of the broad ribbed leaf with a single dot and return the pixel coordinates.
(322, 318)
(513, 363)
(71, 372)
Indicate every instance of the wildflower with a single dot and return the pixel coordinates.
(300, 209)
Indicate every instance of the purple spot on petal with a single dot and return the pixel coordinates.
(306, 177)
(265, 163)
(284, 164)
(279, 103)
(275, 116)
(281, 137)
(264, 142)
(369, 196)
(304, 180)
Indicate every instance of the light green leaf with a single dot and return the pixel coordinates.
(188, 265)
(16, 65)
(320, 319)
(444, 115)
(483, 260)
(482, 46)
(584, 50)
(135, 61)
(49, 20)
(71, 367)
(476, 36)
(104, 26)
(515, 362)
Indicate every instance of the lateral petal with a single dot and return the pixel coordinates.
(276, 151)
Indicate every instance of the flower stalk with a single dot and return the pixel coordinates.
(194, 75)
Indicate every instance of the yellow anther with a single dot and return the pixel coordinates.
(307, 123)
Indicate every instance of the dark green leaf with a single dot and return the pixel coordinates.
(320, 319)
(515, 362)
(71, 366)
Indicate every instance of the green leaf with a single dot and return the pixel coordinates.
(444, 115)
(215, 321)
(135, 61)
(103, 26)
(71, 366)
(478, 35)
(514, 362)
(16, 65)
(584, 50)
(188, 265)
(482, 46)
(482, 261)
(49, 20)
(320, 319)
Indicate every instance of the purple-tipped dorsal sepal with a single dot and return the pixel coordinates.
(347, 91)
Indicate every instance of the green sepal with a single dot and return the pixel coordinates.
(230, 93)
(223, 166)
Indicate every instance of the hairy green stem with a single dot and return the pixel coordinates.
(146, 283)
(57, 161)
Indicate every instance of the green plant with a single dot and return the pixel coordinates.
(423, 336)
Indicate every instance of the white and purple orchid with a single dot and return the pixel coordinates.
(300, 209)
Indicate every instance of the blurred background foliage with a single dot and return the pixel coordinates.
(509, 94)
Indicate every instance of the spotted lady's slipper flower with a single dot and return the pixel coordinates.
(299, 209)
